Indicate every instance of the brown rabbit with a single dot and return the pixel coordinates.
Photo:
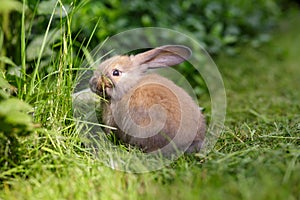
(150, 111)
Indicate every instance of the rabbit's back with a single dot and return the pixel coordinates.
(155, 112)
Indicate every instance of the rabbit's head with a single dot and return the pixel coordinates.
(115, 76)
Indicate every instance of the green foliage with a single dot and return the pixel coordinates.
(14, 123)
(14, 117)
(217, 24)
(8, 29)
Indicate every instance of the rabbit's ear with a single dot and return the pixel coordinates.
(163, 56)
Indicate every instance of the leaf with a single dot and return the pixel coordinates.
(10, 5)
(18, 118)
(217, 30)
(34, 48)
(14, 118)
(46, 8)
(4, 85)
(229, 39)
(8, 61)
(14, 104)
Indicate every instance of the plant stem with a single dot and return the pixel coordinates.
(23, 45)
(23, 52)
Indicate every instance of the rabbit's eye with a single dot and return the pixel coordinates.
(116, 72)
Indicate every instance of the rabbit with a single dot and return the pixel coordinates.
(149, 111)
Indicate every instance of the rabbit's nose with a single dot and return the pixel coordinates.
(99, 84)
(106, 82)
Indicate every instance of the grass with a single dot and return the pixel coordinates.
(257, 156)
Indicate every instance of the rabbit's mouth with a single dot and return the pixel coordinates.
(99, 85)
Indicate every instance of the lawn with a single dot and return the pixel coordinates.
(256, 157)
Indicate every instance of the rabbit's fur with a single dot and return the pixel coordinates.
(150, 111)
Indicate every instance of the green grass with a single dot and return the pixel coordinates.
(257, 156)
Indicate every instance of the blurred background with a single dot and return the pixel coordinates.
(219, 25)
